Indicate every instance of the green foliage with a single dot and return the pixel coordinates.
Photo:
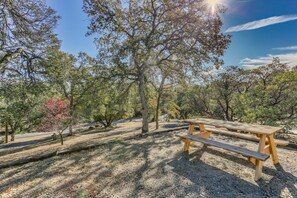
(19, 103)
(136, 37)
(72, 78)
(168, 104)
(82, 194)
(111, 103)
(264, 95)
(150, 56)
(272, 99)
(26, 30)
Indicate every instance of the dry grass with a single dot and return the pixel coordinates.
(151, 167)
(80, 139)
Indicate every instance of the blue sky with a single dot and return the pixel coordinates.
(260, 29)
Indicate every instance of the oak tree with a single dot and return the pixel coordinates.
(26, 29)
(137, 36)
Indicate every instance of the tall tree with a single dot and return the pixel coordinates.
(137, 36)
(158, 85)
(26, 29)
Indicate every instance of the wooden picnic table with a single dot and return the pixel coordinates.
(264, 134)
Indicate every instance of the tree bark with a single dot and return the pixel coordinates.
(71, 117)
(12, 136)
(62, 140)
(160, 92)
(143, 103)
(157, 111)
(12, 127)
(6, 132)
(70, 126)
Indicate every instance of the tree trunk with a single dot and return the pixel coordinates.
(157, 113)
(6, 132)
(143, 104)
(62, 140)
(160, 91)
(70, 127)
(12, 128)
(157, 110)
(109, 121)
(12, 136)
(71, 117)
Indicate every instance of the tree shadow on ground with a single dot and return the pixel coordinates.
(95, 131)
(48, 169)
(216, 182)
(25, 143)
(138, 168)
(171, 126)
(282, 180)
(209, 181)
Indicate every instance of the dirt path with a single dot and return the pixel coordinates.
(152, 167)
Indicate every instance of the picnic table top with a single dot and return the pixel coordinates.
(252, 128)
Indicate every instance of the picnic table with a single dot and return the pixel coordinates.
(255, 132)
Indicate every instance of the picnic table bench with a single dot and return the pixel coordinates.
(262, 133)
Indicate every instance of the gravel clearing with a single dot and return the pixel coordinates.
(152, 167)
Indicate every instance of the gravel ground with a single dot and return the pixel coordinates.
(152, 167)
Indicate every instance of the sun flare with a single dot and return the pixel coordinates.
(212, 4)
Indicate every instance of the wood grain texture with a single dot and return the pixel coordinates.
(259, 163)
(252, 128)
(243, 135)
(243, 151)
(191, 128)
(273, 149)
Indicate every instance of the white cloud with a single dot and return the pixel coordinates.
(251, 63)
(262, 23)
(286, 48)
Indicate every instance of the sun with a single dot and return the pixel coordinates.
(212, 4)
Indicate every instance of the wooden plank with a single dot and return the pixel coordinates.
(243, 151)
(187, 142)
(252, 128)
(252, 160)
(242, 135)
(272, 147)
(259, 163)
(191, 128)
(205, 134)
(266, 151)
(187, 145)
(201, 127)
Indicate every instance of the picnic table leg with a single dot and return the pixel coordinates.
(259, 163)
(203, 132)
(187, 145)
(272, 147)
(191, 129)
(188, 142)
